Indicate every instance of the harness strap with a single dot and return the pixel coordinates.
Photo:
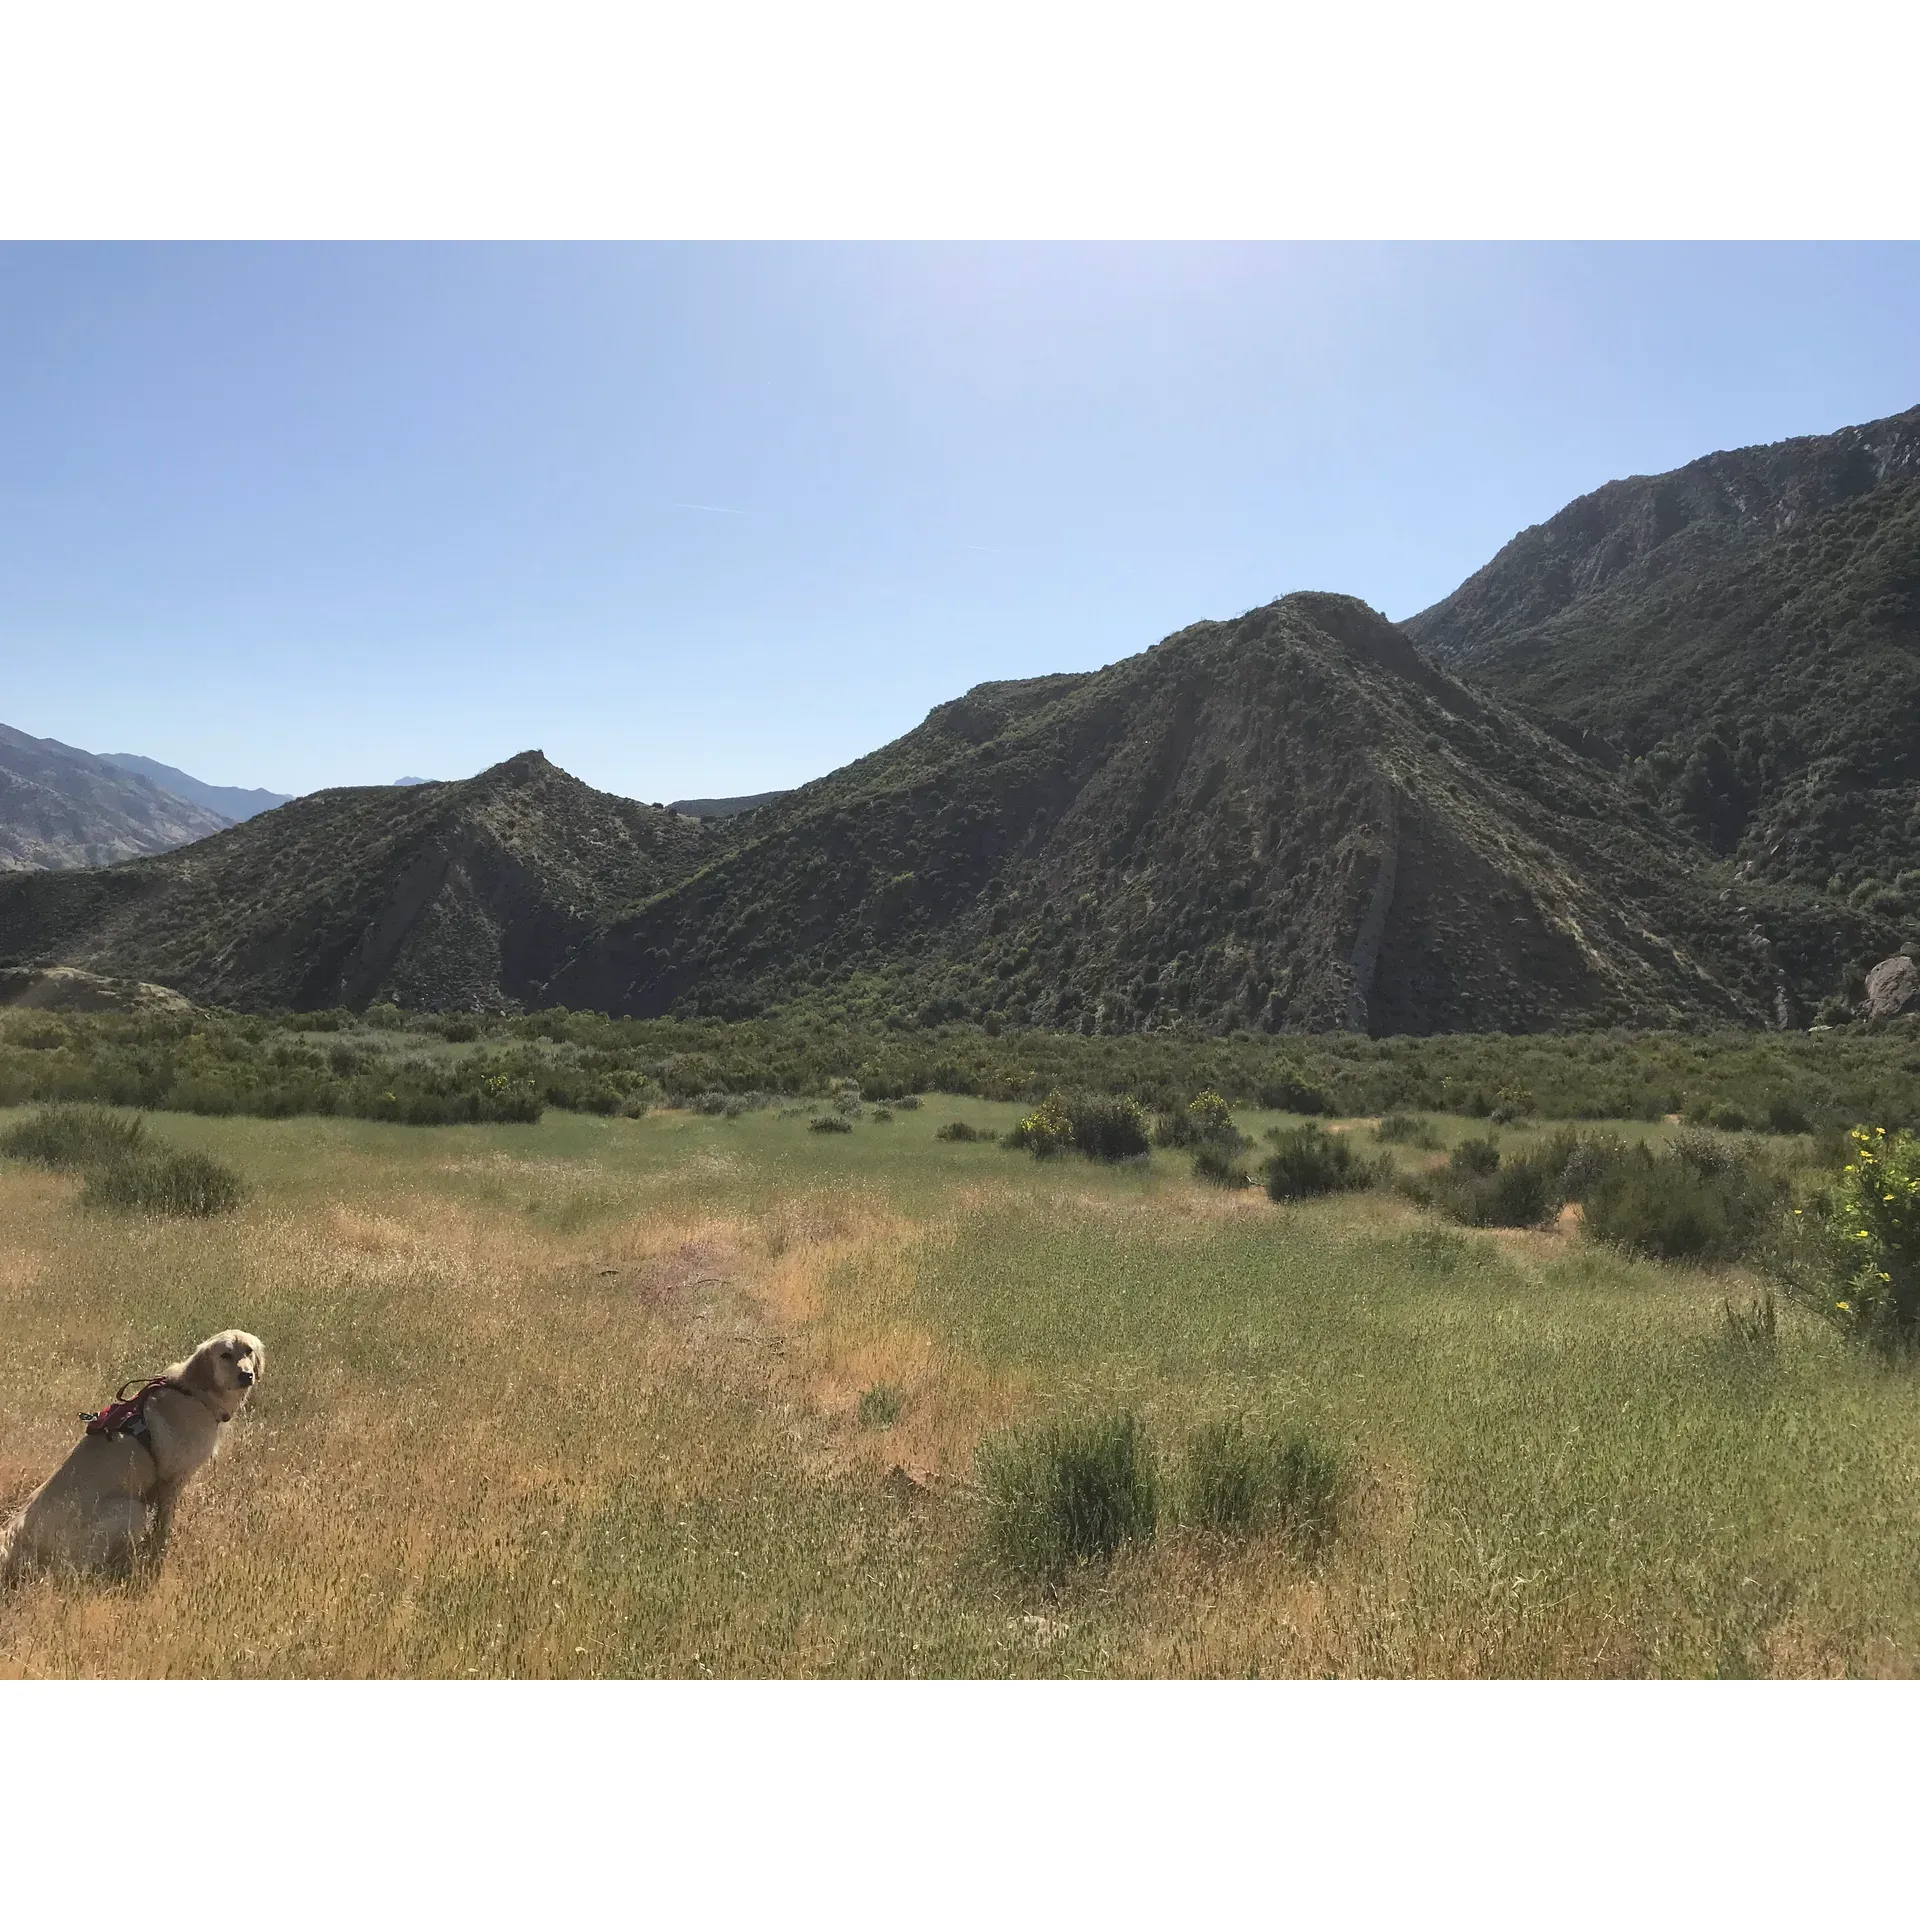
(126, 1418)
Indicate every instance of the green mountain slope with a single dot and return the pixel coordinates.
(1288, 821)
(463, 893)
(1746, 631)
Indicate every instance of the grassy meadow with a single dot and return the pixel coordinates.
(597, 1397)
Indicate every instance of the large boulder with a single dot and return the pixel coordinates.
(1893, 987)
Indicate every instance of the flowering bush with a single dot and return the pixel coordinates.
(1873, 1232)
(1047, 1129)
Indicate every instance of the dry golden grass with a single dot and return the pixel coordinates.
(585, 1401)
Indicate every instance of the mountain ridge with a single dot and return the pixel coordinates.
(1743, 635)
(232, 803)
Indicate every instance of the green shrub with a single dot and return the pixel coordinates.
(959, 1130)
(1474, 1157)
(1481, 1187)
(1240, 1482)
(1787, 1115)
(1220, 1165)
(69, 1138)
(1108, 1128)
(880, 1406)
(188, 1185)
(1290, 1093)
(1406, 1129)
(1697, 1201)
(830, 1123)
(1729, 1119)
(1072, 1492)
(1306, 1162)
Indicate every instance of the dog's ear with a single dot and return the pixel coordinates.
(198, 1372)
(259, 1358)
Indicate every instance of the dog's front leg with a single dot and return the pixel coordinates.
(164, 1499)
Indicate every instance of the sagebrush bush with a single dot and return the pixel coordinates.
(1659, 1207)
(1108, 1127)
(830, 1123)
(1239, 1481)
(1406, 1129)
(1292, 1093)
(1072, 1492)
(186, 1185)
(1474, 1157)
(1306, 1161)
(1701, 1200)
(69, 1138)
(959, 1130)
(1482, 1187)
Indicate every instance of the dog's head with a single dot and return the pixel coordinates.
(225, 1368)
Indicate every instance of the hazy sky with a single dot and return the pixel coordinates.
(710, 519)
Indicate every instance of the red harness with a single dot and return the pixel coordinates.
(126, 1419)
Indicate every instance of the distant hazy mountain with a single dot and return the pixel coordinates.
(60, 807)
(726, 809)
(412, 780)
(236, 803)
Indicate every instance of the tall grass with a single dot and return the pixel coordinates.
(126, 1170)
(71, 1138)
(1064, 1494)
(1238, 1481)
(184, 1185)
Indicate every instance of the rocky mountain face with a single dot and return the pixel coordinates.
(1743, 637)
(464, 893)
(1746, 498)
(60, 807)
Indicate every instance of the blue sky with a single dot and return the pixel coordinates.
(710, 519)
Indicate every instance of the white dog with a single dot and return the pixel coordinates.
(112, 1499)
